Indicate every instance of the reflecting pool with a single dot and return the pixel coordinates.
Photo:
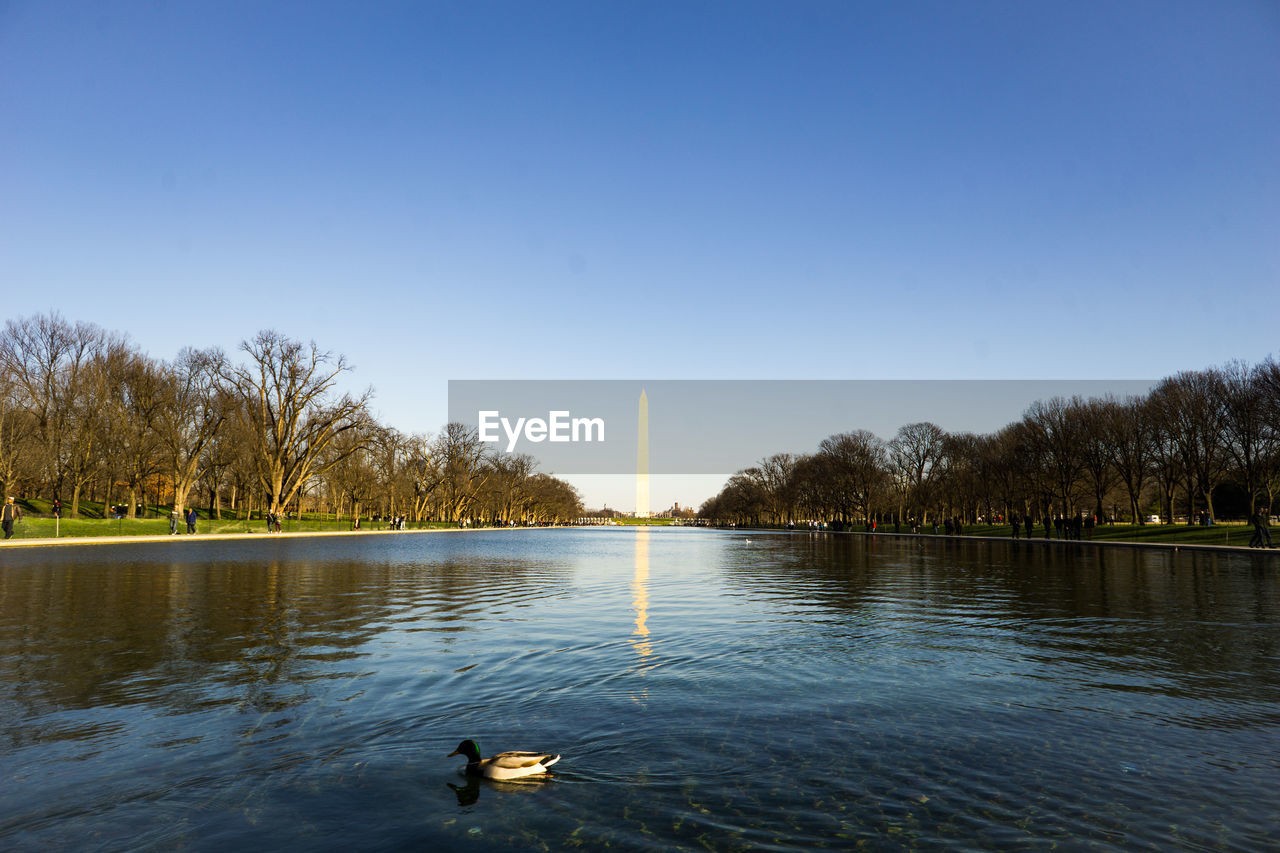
(708, 690)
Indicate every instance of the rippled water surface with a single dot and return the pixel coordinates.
(708, 691)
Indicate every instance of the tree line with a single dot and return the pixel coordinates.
(1200, 442)
(85, 415)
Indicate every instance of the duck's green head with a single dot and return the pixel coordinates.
(469, 749)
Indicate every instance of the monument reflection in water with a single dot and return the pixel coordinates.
(705, 688)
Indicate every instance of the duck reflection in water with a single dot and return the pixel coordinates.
(469, 793)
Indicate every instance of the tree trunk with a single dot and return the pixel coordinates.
(180, 497)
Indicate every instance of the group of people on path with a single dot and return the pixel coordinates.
(189, 517)
(1078, 527)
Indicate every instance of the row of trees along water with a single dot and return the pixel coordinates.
(1204, 441)
(85, 416)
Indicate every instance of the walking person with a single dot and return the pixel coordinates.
(1261, 535)
(173, 522)
(191, 520)
(11, 513)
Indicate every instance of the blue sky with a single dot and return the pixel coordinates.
(669, 190)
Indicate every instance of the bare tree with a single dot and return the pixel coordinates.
(192, 412)
(856, 464)
(1267, 377)
(55, 368)
(1191, 407)
(507, 494)
(1003, 468)
(216, 463)
(17, 431)
(1054, 430)
(1095, 449)
(742, 500)
(463, 467)
(91, 445)
(387, 454)
(291, 412)
(813, 488)
(1248, 429)
(552, 499)
(777, 477)
(1130, 437)
(1167, 464)
(135, 395)
(425, 473)
(352, 476)
(1028, 479)
(958, 474)
(915, 453)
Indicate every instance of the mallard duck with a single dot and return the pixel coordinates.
(504, 765)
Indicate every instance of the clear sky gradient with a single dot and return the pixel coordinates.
(669, 190)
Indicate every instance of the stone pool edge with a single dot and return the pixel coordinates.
(940, 537)
(221, 537)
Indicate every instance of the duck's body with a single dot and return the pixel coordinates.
(504, 765)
